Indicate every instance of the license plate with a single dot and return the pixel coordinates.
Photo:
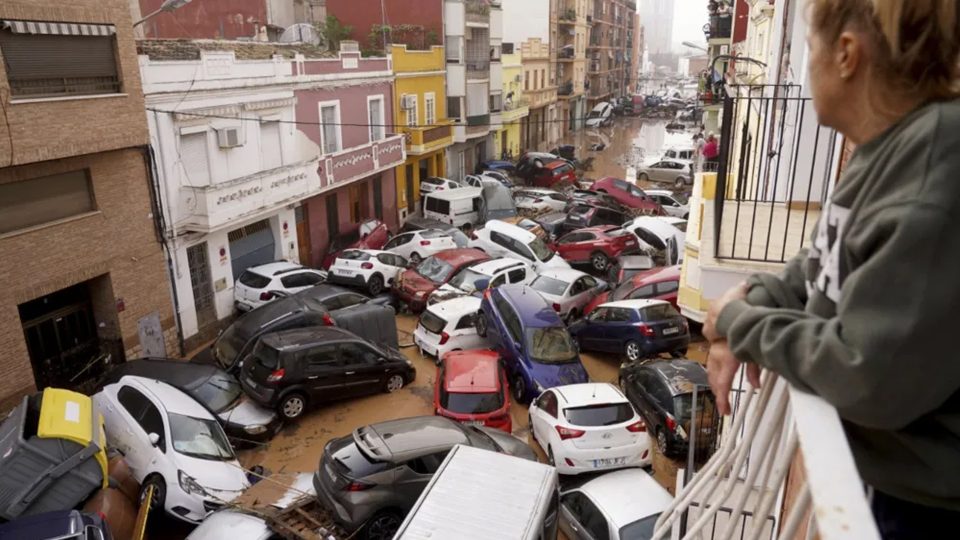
(342, 272)
(475, 423)
(670, 331)
(609, 462)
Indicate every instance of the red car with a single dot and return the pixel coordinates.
(415, 285)
(371, 234)
(628, 195)
(555, 174)
(595, 245)
(472, 388)
(657, 284)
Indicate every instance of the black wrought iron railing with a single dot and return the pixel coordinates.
(774, 170)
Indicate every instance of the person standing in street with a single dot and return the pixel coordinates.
(865, 316)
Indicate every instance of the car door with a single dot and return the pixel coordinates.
(141, 417)
(581, 519)
(584, 290)
(575, 246)
(590, 334)
(363, 371)
(660, 171)
(520, 274)
(392, 266)
(322, 372)
(543, 414)
(413, 476)
(510, 334)
(619, 329)
(400, 245)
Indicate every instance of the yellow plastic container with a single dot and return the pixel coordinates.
(65, 414)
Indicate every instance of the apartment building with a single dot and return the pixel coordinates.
(508, 139)
(260, 20)
(542, 127)
(607, 51)
(569, 34)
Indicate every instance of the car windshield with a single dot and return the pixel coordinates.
(682, 405)
(253, 280)
(432, 322)
(468, 280)
(435, 270)
(551, 345)
(471, 403)
(218, 392)
(228, 345)
(604, 414)
(641, 529)
(680, 198)
(540, 250)
(199, 438)
(549, 285)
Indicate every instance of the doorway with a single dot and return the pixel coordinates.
(251, 245)
(378, 197)
(359, 206)
(199, 265)
(303, 234)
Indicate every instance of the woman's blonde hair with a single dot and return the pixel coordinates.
(917, 42)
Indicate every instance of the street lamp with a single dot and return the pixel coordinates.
(166, 6)
(693, 45)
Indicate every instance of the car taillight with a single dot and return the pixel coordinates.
(328, 320)
(367, 266)
(671, 423)
(637, 427)
(645, 330)
(266, 296)
(356, 485)
(424, 242)
(276, 375)
(556, 307)
(569, 433)
(444, 337)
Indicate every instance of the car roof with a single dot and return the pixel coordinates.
(627, 495)
(471, 372)
(274, 268)
(495, 265)
(173, 400)
(664, 192)
(599, 229)
(514, 231)
(407, 438)
(460, 256)
(576, 395)
(681, 375)
(634, 304)
(563, 274)
(455, 307)
(296, 338)
(176, 372)
(372, 252)
(656, 225)
(656, 275)
(456, 193)
(532, 309)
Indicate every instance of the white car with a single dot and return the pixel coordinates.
(257, 285)
(540, 200)
(568, 291)
(601, 115)
(449, 326)
(660, 232)
(474, 279)
(674, 205)
(369, 269)
(435, 183)
(500, 239)
(171, 442)
(621, 505)
(416, 246)
(589, 427)
(671, 171)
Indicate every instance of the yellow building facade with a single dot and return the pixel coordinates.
(420, 113)
(515, 108)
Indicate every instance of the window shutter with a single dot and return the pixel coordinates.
(53, 65)
(194, 158)
(270, 146)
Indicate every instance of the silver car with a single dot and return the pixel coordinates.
(372, 478)
(672, 171)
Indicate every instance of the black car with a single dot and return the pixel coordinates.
(662, 392)
(294, 369)
(321, 305)
(582, 215)
(417, 223)
(58, 525)
(242, 418)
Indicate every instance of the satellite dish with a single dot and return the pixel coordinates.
(300, 33)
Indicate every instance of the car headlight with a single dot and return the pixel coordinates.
(255, 429)
(189, 485)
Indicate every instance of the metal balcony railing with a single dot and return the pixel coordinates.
(719, 27)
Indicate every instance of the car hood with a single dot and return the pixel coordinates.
(224, 480)
(557, 262)
(549, 376)
(412, 281)
(449, 292)
(248, 413)
(510, 444)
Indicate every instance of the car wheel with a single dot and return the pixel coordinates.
(375, 285)
(680, 182)
(159, 492)
(679, 353)
(643, 177)
(383, 526)
(662, 445)
(481, 325)
(599, 261)
(415, 259)
(632, 351)
(292, 406)
(519, 390)
(394, 383)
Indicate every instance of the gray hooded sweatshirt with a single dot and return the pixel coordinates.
(868, 316)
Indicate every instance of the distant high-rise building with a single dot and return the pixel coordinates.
(656, 16)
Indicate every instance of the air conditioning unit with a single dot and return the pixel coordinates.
(230, 137)
(408, 102)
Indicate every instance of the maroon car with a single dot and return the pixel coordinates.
(371, 234)
(628, 195)
(595, 245)
(415, 285)
(661, 283)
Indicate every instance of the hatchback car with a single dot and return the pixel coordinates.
(533, 201)
(621, 505)
(586, 215)
(568, 291)
(589, 427)
(531, 163)
(258, 285)
(674, 204)
(663, 234)
(373, 477)
(367, 269)
(627, 194)
(418, 245)
(172, 443)
(417, 223)
(471, 387)
(58, 525)
(295, 369)
(501, 239)
(473, 280)
(532, 340)
(371, 234)
(415, 285)
(596, 246)
(435, 183)
(669, 171)
(636, 328)
(448, 326)
(662, 392)
(242, 418)
(662, 283)
(555, 174)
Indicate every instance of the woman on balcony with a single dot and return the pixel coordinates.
(866, 316)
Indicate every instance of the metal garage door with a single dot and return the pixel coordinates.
(251, 245)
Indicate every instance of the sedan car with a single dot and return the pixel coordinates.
(242, 418)
(671, 171)
(674, 204)
(448, 326)
(418, 245)
(627, 194)
(415, 285)
(589, 427)
(258, 285)
(533, 201)
(567, 291)
(596, 246)
(661, 283)
(367, 269)
(473, 280)
(435, 183)
(636, 328)
(471, 387)
(622, 505)
(172, 443)
(371, 234)
(373, 477)
(295, 369)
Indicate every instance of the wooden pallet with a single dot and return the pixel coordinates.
(302, 519)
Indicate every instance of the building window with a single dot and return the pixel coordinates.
(330, 127)
(543, 82)
(496, 102)
(430, 108)
(36, 201)
(270, 146)
(411, 109)
(526, 80)
(375, 116)
(59, 59)
(453, 108)
(194, 158)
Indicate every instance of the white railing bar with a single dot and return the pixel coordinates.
(840, 503)
(811, 527)
(780, 470)
(797, 513)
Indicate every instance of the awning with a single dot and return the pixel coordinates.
(58, 28)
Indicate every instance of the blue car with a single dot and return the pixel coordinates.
(532, 340)
(636, 328)
(496, 165)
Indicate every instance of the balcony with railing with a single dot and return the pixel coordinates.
(478, 70)
(567, 16)
(514, 110)
(426, 139)
(477, 12)
(541, 96)
(719, 28)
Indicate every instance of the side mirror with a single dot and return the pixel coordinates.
(154, 439)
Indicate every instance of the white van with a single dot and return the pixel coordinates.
(479, 494)
(457, 207)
